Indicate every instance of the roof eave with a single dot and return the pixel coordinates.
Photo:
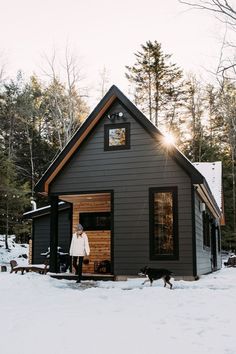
(206, 195)
(42, 186)
(45, 210)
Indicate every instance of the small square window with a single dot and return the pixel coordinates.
(117, 136)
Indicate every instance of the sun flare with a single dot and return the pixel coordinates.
(169, 139)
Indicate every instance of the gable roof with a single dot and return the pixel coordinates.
(111, 96)
(212, 171)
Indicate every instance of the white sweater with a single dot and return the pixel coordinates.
(79, 245)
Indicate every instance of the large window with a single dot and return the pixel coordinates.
(163, 223)
(117, 136)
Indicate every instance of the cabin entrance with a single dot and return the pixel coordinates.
(94, 212)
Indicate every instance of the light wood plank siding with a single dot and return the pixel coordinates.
(130, 174)
(100, 248)
(99, 241)
(93, 206)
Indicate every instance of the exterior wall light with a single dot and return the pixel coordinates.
(202, 207)
(116, 115)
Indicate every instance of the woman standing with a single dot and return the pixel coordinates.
(78, 249)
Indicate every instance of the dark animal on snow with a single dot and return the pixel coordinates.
(231, 262)
(104, 267)
(155, 274)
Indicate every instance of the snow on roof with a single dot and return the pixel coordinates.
(40, 209)
(212, 171)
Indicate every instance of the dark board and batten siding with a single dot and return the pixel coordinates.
(41, 234)
(203, 254)
(130, 174)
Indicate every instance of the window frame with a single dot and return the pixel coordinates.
(90, 222)
(107, 128)
(174, 191)
(218, 238)
(207, 229)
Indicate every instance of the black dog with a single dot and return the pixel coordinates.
(154, 274)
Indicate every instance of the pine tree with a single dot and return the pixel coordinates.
(193, 111)
(156, 82)
(14, 197)
(227, 114)
(64, 111)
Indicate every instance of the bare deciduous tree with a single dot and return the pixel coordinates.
(228, 112)
(2, 68)
(226, 13)
(66, 95)
(103, 83)
(224, 8)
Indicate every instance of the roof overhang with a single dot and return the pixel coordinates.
(45, 210)
(42, 186)
(205, 194)
(73, 145)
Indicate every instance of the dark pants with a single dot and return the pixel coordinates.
(78, 267)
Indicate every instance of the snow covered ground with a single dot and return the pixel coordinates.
(44, 315)
(16, 251)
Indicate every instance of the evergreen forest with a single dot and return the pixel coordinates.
(37, 119)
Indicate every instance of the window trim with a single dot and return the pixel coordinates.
(218, 238)
(107, 127)
(174, 191)
(207, 230)
(90, 217)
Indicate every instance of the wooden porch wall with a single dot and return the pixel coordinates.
(99, 241)
(30, 251)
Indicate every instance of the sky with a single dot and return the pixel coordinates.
(44, 315)
(106, 34)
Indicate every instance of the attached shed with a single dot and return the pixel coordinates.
(40, 236)
(141, 201)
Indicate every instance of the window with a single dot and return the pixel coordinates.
(163, 223)
(117, 136)
(95, 221)
(218, 238)
(206, 230)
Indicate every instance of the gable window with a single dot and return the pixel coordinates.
(117, 136)
(163, 223)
